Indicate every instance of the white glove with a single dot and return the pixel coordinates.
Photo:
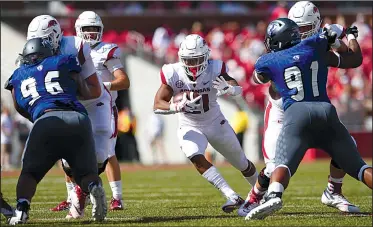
(222, 86)
(337, 28)
(186, 105)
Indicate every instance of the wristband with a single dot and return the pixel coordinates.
(173, 107)
(107, 85)
(350, 36)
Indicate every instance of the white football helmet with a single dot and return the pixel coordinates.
(194, 55)
(307, 17)
(46, 27)
(89, 19)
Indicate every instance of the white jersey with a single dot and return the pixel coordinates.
(174, 76)
(77, 46)
(101, 54)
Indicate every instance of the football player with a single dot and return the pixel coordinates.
(307, 17)
(299, 71)
(44, 91)
(98, 105)
(200, 118)
(106, 58)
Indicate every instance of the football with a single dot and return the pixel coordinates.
(178, 97)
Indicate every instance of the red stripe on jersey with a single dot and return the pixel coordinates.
(163, 78)
(266, 118)
(111, 53)
(81, 57)
(223, 69)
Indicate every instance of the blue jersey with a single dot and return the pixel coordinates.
(300, 72)
(46, 85)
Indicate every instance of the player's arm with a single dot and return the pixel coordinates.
(162, 99)
(352, 58)
(88, 71)
(114, 65)
(84, 91)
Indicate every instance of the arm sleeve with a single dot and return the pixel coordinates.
(113, 61)
(224, 68)
(85, 60)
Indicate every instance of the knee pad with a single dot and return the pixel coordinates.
(66, 168)
(333, 163)
(102, 166)
(263, 180)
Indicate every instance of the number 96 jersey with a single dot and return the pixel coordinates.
(175, 76)
(300, 72)
(46, 85)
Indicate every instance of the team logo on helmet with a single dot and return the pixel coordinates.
(315, 9)
(179, 84)
(52, 23)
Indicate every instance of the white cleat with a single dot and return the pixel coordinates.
(99, 204)
(339, 202)
(20, 214)
(246, 208)
(78, 199)
(266, 209)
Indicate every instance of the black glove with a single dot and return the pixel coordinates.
(330, 35)
(352, 30)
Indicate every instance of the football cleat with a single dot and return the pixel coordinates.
(116, 204)
(338, 201)
(98, 200)
(251, 202)
(232, 204)
(64, 205)
(273, 204)
(20, 214)
(6, 209)
(78, 199)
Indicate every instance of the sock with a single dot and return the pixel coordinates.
(213, 176)
(275, 187)
(116, 188)
(69, 186)
(257, 192)
(335, 185)
(252, 179)
(23, 200)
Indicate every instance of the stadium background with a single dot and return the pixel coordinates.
(149, 34)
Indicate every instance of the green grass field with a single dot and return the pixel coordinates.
(181, 197)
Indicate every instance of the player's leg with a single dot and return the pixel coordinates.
(83, 162)
(193, 143)
(223, 138)
(292, 143)
(332, 195)
(273, 119)
(70, 185)
(114, 177)
(343, 150)
(41, 153)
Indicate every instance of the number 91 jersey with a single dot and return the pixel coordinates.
(300, 72)
(46, 85)
(174, 76)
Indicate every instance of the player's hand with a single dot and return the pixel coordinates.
(185, 105)
(339, 29)
(222, 86)
(193, 104)
(352, 30)
(330, 35)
